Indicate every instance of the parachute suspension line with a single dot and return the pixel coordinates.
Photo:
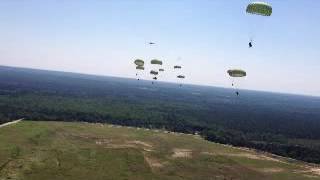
(236, 73)
(139, 67)
(156, 63)
(234, 85)
(236, 89)
(257, 13)
(137, 75)
(179, 82)
(181, 77)
(153, 79)
(177, 69)
(232, 81)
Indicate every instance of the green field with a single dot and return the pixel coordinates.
(58, 150)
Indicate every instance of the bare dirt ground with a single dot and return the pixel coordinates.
(153, 163)
(182, 153)
(10, 123)
(252, 156)
(315, 171)
(271, 170)
(108, 143)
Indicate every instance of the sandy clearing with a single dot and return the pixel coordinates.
(140, 143)
(103, 141)
(251, 156)
(128, 144)
(315, 171)
(147, 150)
(271, 170)
(153, 163)
(311, 171)
(10, 123)
(182, 153)
(246, 155)
(120, 146)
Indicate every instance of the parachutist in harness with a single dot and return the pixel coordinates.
(258, 9)
(236, 73)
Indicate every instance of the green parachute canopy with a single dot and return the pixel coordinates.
(140, 67)
(161, 70)
(153, 72)
(259, 8)
(237, 73)
(139, 62)
(156, 61)
(181, 76)
(176, 67)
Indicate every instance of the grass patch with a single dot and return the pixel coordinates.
(59, 150)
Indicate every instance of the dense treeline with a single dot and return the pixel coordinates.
(286, 125)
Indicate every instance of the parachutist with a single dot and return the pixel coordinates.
(236, 73)
(258, 9)
(250, 44)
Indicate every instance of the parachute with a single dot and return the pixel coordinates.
(259, 8)
(177, 69)
(181, 76)
(156, 61)
(139, 62)
(153, 72)
(236, 73)
(140, 68)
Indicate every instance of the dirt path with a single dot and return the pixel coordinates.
(9, 123)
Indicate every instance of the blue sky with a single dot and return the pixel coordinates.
(209, 36)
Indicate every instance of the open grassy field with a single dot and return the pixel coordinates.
(58, 150)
